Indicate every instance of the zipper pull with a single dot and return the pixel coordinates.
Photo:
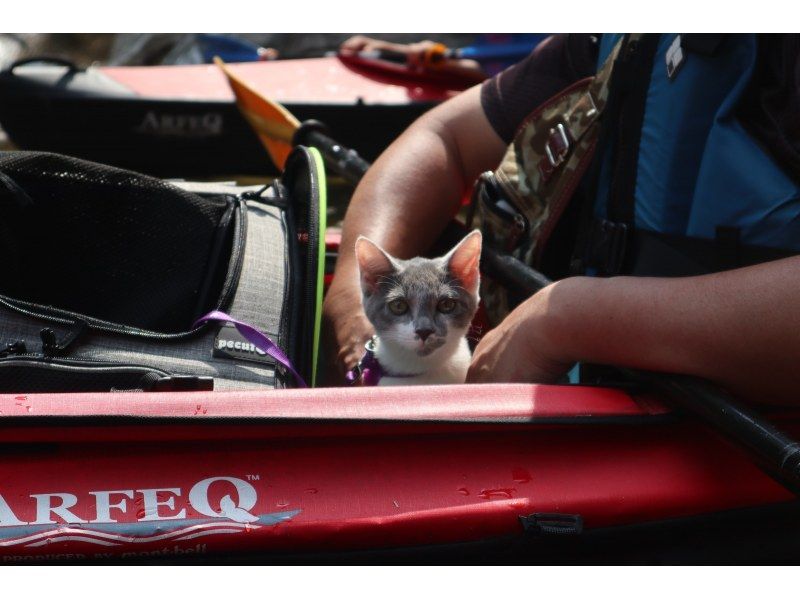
(50, 345)
(552, 524)
(15, 348)
(279, 201)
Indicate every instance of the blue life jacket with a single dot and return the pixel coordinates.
(697, 168)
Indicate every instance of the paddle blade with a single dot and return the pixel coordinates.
(274, 124)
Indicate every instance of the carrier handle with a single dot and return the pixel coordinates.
(55, 60)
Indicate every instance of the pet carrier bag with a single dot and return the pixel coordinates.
(106, 276)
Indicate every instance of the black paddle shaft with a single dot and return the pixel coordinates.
(345, 161)
(778, 454)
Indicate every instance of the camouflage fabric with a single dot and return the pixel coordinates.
(518, 205)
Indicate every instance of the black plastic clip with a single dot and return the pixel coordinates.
(51, 347)
(608, 243)
(555, 524)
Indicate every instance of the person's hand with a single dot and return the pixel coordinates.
(526, 347)
(345, 330)
(415, 53)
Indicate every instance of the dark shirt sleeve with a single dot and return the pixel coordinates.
(770, 106)
(557, 62)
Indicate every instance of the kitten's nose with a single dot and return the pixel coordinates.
(424, 333)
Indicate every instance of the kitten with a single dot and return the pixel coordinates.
(421, 310)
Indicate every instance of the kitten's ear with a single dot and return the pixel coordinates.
(373, 264)
(464, 259)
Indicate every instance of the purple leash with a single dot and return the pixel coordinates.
(255, 336)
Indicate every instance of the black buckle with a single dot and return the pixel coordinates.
(557, 524)
(608, 242)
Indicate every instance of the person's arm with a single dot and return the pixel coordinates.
(404, 202)
(740, 329)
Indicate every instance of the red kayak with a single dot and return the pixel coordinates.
(492, 473)
(182, 120)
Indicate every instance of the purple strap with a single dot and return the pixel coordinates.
(255, 336)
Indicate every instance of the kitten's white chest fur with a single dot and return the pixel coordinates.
(446, 365)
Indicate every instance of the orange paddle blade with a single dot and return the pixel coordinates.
(273, 123)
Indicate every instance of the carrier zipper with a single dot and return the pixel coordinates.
(70, 318)
(44, 358)
(312, 258)
(166, 382)
(290, 310)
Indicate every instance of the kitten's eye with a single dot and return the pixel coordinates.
(446, 305)
(398, 306)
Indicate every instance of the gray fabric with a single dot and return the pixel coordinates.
(258, 301)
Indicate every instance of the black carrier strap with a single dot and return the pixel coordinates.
(602, 243)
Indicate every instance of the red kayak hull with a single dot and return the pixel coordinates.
(90, 477)
(304, 81)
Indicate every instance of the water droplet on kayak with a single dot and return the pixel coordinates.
(463, 491)
(247, 528)
(312, 490)
(28, 408)
(283, 503)
(497, 493)
(394, 502)
(21, 398)
(521, 476)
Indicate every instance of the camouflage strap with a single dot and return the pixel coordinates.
(521, 202)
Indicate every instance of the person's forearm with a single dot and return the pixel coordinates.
(403, 204)
(414, 188)
(740, 329)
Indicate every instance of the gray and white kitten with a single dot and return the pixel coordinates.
(421, 310)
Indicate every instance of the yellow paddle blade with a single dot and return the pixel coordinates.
(273, 123)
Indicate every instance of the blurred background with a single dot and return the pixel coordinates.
(120, 49)
(182, 48)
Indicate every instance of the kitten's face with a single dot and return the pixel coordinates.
(420, 305)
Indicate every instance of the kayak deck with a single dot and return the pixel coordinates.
(351, 469)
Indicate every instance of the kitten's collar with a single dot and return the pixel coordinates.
(369, 369)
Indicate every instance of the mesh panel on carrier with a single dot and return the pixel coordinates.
(108, 243)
